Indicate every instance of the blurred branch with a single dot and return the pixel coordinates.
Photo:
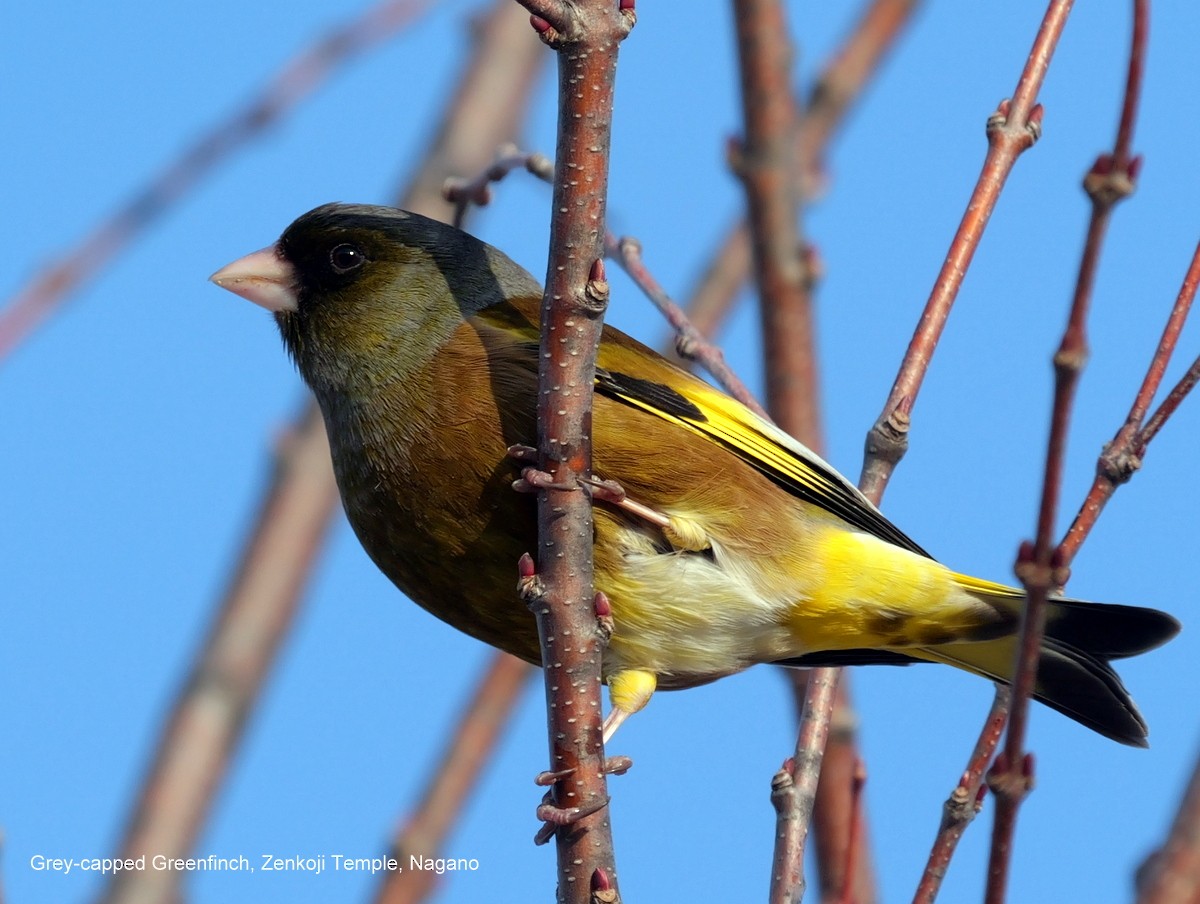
(298, 507)
(840, 824)
(486, 111)
(1171, 875)
(765, 162)
(206, 723)
(965, 801)
(587, 35)
(843, 81)
(838, 86)
(303, 75)
(1040, 564)
(463, 759)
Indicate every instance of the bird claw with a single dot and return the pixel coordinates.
(521, 452)
(617, 765)
(682, 533)
(532, 480)
(549, 778)
(553, 817)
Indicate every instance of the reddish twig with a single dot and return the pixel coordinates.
(849, 872)
(464, 192)
(1123, 455)
(465, 754)
(298, 79)
(1040, 564)
(1012, 129)
(765, 162)
(275, 567)
(965, 801)
(1164, 411)
(839, 821)
(690, 342)
(1172, 873)
(586, 36)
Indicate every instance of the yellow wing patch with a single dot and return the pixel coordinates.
(698, 407)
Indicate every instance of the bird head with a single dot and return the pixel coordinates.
(363, 291)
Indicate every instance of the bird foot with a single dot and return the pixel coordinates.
(554, 817)
(682, 533)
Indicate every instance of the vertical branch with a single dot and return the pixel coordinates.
(1012, 129)
(1041, 564)
(794, 789)
(765, 162)
(587, 36)
(841, 83)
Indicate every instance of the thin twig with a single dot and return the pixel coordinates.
(690, 342)
(1012, 129)
(477, 191)
(466, 752)
(794, 789)
(1122, 457)
(587, 35)
(840, 824)
(965, 801)
(303, 75)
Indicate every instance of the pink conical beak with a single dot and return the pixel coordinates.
(264, 278)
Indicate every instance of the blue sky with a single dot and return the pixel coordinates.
(138, 425)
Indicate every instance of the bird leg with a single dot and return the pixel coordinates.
(682, 533)
(628, 690)
(553, 816)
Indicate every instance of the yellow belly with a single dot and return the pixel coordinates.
(692, 617)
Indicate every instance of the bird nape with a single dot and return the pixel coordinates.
(732, 545)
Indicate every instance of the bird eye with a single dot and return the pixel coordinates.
(345, 258)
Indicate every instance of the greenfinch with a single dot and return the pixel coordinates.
(732, 545)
